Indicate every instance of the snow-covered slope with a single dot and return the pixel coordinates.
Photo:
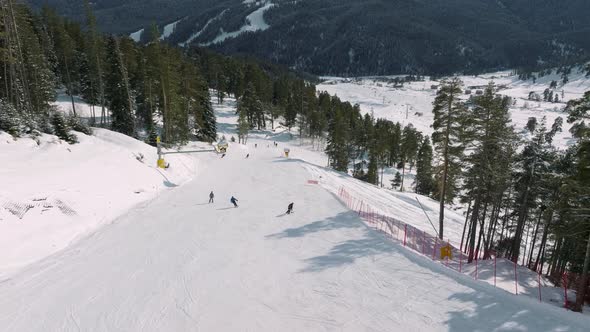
(136, 36)
(412, 103)
(254, 22)
(52, 192)
(181, 264)
(178, 263)
(168, 30)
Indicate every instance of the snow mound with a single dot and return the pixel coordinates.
(52, 192)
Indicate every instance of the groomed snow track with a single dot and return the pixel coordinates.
(177, 263)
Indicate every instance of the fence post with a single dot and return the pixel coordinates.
(434, 249)
(539, 280)
(495, 270)
(564, 277)
(405, 233)
(476, 267)
(515, 279)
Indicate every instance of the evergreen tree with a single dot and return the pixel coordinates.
(61, 128)
(424, 173)
(372, 176)
(448, 114)
(208, 129)
(117, 91)
(337, 143)
(492, 139)
(243, 127)
(397, 180)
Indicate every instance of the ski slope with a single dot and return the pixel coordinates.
(177, 263)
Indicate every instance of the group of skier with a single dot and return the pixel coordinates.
(234, 201)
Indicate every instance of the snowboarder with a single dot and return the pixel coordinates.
(290, 208)
(255, 145)
(234, 201)
(248, 155)
(223, 155)
(211, 196)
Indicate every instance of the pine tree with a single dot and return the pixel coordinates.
(448, 113)
(424, 174)
(10, 120)
(372, 176)
(117, 91)
(397, 180)
(579, 113)
(337, 142)
(208, 130)
(243, 127)
(61, 128)
(492, 139)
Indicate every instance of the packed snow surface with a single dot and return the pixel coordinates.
(181, 264)
(167, 260)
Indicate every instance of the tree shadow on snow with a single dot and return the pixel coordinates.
(346, 252)
(342, 220)
(506, 312)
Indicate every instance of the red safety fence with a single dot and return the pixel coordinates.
(440, 251)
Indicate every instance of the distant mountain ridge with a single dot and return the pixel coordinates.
(372, 37)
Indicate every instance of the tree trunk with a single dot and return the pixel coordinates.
(544, 237)
(401, 188)
(583, 285)
(474, 218)
(535, 232)
(465, 226)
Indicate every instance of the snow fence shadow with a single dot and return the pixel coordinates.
(342, 253)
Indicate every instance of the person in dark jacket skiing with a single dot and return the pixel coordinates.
(211, 196)
(290, 208)
(234, 201)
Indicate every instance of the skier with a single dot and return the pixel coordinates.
(234, 201)
(223, 155)
(256, 145)
(248, 155)
(211, 196)
(290, 208)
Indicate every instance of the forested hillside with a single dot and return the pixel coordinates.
(351, 37)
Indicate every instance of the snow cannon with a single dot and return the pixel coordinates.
(445, 251)
(161, 162)
(287, 152)
(222, 147)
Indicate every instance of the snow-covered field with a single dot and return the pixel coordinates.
(53, 193)
(412, 103)
(166, 260)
